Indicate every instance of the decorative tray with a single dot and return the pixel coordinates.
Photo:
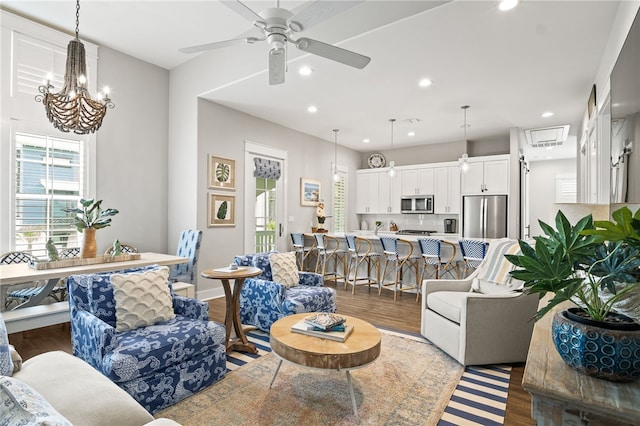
(76, 261)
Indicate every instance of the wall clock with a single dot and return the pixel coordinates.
(376, 161)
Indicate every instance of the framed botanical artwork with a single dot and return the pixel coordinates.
(222, 210)
(309, 192)
(222, 173)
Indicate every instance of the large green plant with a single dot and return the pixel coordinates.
(574, 262)
(91, 215)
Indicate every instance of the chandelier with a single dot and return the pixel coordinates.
(73, 108)
(392, 170)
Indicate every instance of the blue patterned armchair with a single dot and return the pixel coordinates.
(159, 364)
(264, 301)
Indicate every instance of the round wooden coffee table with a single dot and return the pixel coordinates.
(360, 348)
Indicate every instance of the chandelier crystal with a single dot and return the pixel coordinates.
(73, 109)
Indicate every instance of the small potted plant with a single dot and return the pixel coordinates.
(89, 217)
(596, 265)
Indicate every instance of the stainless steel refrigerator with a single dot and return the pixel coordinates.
(484, 216)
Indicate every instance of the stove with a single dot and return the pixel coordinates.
(415, 232)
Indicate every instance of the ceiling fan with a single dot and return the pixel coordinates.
(277, 26)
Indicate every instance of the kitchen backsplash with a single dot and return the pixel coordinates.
(426, 222)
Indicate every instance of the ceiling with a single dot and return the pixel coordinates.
(509, 67)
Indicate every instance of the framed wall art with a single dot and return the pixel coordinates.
(222, 210)
(222, 173)
(309, 192)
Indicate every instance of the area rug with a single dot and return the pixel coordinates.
(409, 384)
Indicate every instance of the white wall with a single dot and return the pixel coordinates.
(132, 152)
(222, 131)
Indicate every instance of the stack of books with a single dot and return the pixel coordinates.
(324, 325)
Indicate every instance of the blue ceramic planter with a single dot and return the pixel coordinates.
(596, 351)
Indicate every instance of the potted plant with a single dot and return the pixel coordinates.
(89, 217)
(596, 265)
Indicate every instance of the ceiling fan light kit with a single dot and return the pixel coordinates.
(278, 26)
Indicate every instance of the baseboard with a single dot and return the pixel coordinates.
(213, 293)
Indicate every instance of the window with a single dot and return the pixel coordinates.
(48, 178)
(340, 202)
(43, 169)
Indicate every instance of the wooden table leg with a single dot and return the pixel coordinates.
(232, 319)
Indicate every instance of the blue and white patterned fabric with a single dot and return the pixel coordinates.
(263, 301)
(473, 252)
(189, 246)
(158, 365)
(6, 364)
(430, 249)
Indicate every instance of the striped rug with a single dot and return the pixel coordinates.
(479, 399)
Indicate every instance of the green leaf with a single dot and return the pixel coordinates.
(222, 172)
(222, 211)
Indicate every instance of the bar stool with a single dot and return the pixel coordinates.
(360, 252)
(328, 248)
(302, 251)
(431, 250)
(395, 265)
(473, 251)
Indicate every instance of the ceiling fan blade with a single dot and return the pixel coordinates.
(218, 45)
(277, 66)
(334, 53)
(243, 10)
(312, 13)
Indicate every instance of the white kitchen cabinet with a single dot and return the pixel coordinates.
(389, 190)
(486, 176)
(367, 185)
(417, 181)
(447, 190)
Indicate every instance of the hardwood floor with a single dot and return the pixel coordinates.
(403, 315)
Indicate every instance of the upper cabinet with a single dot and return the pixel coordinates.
(486, 175)
(367, 194)
(418, 181)
(377, 192)
(446, 195)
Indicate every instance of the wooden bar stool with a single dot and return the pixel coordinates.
(434, 265)
(360, 252)
(398, 256)
(302, 251)
(473, 252)
(328, 249)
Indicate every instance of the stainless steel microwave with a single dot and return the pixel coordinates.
(417, 204)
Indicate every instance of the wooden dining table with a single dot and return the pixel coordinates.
(20, 273)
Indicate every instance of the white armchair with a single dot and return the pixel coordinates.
(491, 324)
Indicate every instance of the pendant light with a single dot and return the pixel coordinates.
(336, 176)
(392, 170)
(464, 160)
(73, 108)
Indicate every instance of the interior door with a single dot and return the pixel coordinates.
(265, 199)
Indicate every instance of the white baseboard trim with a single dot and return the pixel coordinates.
(213, 293)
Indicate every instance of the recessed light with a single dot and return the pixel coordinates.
(366, 140)
(305, 70)
(312, 109)
(425, 82)
(411, 134)
(507, 4)
(547, 114)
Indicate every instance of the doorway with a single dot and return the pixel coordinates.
(265, 201)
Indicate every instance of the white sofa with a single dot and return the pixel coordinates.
(80, 393)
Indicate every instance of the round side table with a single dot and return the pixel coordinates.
(232, 315)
